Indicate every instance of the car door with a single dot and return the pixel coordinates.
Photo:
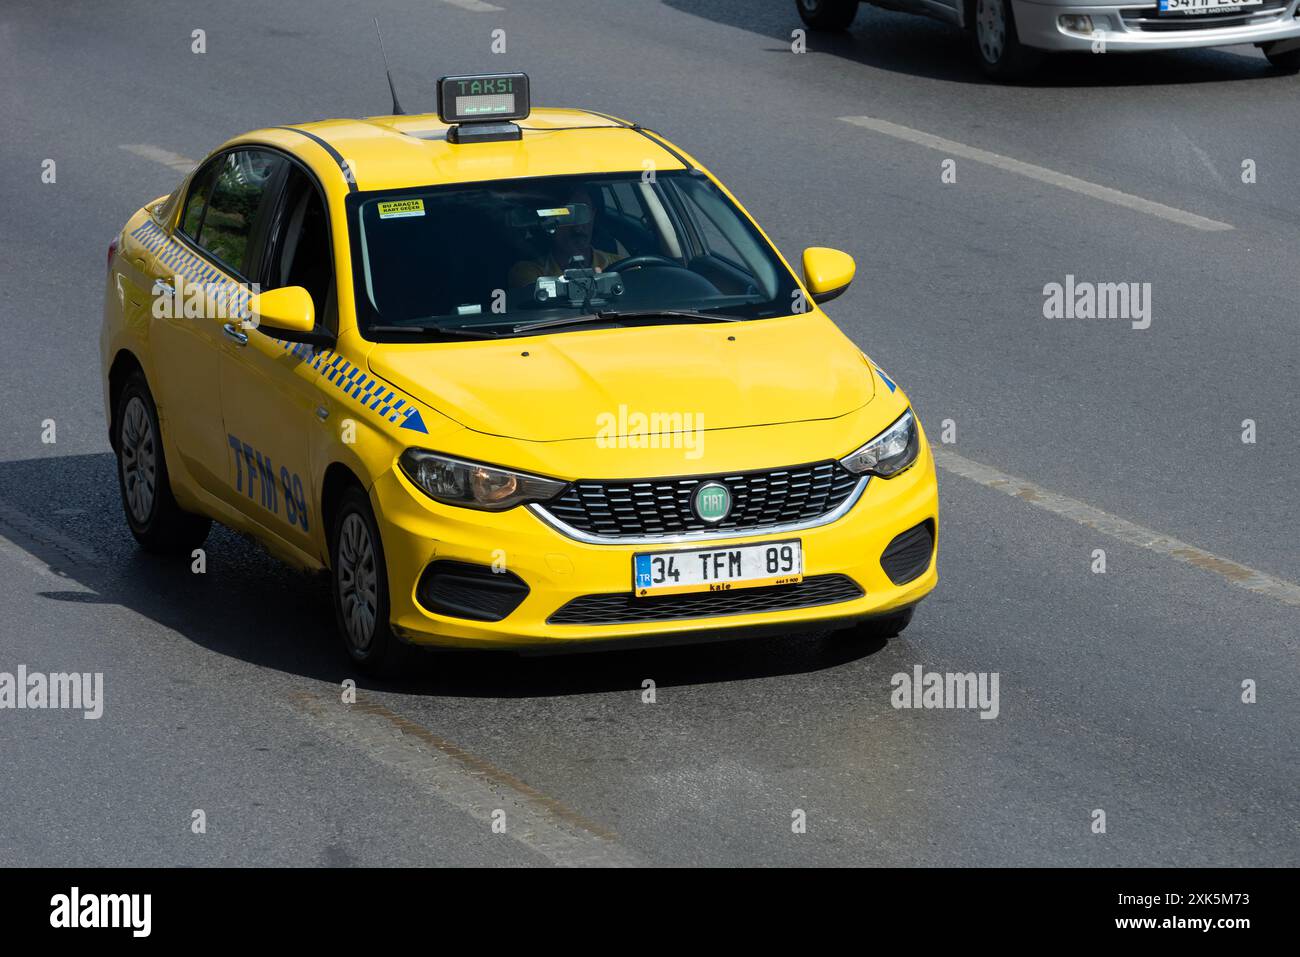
(269, 392)
(184, 343)
(210, 254)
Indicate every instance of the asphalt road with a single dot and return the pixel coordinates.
(1120, 692)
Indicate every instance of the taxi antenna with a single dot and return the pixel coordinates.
(397, 107)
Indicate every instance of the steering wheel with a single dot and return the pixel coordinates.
(638, 262)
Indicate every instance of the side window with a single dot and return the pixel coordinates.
(239, 188)
(299, 247)
(723, 232)
(196, 202)
(715, 243)
(627, 199)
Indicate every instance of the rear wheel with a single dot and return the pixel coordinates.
(359, 584)
(156, 521)
(1288, 62)
(827, 14)
(997, 43)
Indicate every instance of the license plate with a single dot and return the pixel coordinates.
(1194, 8)
(717, 569)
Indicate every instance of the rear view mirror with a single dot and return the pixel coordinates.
(827, 272)
(286, 313)
(549, 217)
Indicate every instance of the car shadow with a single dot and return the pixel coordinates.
(247, 605)
(921, 47)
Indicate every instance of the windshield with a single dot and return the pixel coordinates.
(489, 257)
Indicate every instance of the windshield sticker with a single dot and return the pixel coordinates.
(400, 208)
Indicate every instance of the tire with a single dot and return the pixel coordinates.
(359, 588)
(156, 521)
(1288, 62)
(996, 42)
(827, 15)
(884, 627)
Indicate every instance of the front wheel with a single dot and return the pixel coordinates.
(996, 41)
(156, 521)
(359, 584)
(1288, 62)
(829, 15)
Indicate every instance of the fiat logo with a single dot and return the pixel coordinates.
(712, 502)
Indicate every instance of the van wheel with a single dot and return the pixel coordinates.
(827, 14)
(156, 521)
(359, 584)
(996, 42)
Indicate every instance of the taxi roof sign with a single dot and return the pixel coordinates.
(485, 98)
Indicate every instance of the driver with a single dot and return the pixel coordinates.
(566, 242)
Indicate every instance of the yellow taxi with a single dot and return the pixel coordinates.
(515, 378)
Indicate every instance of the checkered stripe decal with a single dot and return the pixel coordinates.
(173, 254)
(347, 378)
(341, 374)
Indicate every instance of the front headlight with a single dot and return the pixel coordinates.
(889, 452)
(473, 484)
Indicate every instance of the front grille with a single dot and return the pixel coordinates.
(464, 590)
(908, 556)
(625, 608)
(1151, 20)
(662, 507)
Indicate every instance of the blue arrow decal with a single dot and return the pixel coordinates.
(414, 422)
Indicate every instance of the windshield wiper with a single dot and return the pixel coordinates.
(461, 333)
(615, 316)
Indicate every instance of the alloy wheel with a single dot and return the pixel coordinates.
(991, 28)
(139, 456)
(357, 582)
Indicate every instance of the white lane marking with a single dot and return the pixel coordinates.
(1125, 531)
(39, 535)
(478, 6)
(1204, 157)
(27, 560)
(449, 772)
(1040, 173)
(182, 164)
(465, 781)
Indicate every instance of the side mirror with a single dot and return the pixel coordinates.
(286, 313)
(827, 272)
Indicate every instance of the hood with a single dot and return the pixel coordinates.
(640, 380)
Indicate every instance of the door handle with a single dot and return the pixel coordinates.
(232, 332)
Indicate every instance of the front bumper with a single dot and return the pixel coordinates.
(1135, 27)
(557, 569)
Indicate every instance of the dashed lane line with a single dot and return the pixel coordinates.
(1040, 173)
(466, 781)
(181, 164)
(1243, 576)
(475, 6)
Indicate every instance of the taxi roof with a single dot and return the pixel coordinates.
(395, 152)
